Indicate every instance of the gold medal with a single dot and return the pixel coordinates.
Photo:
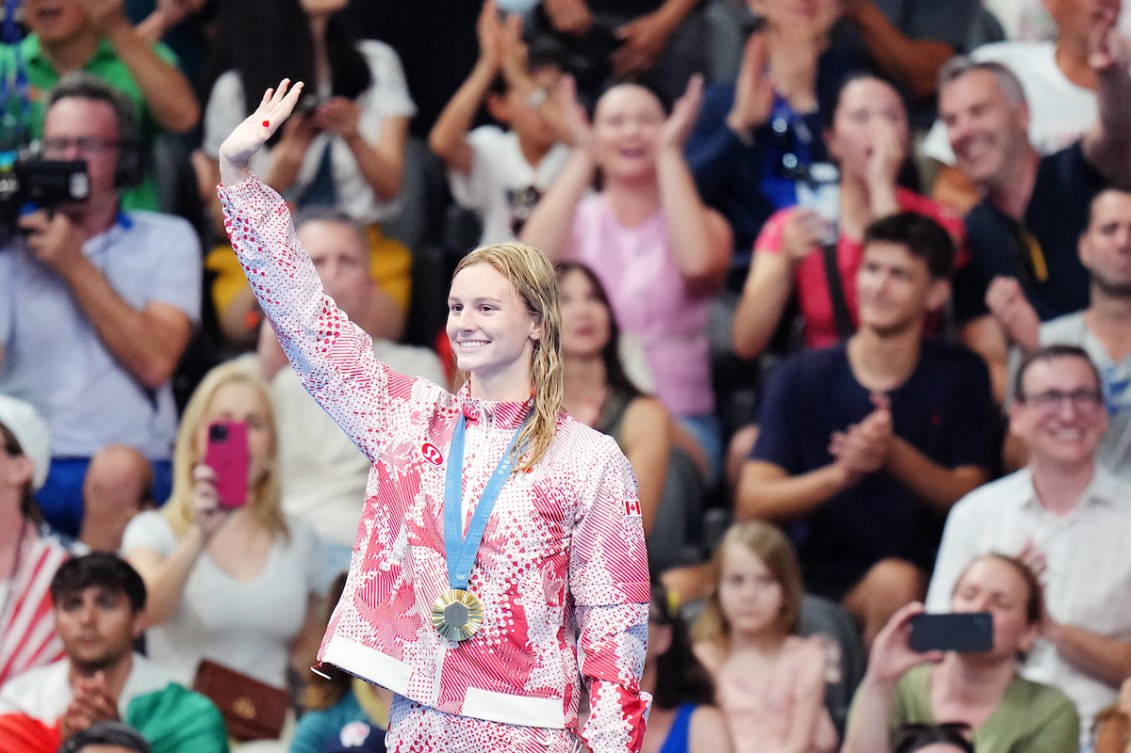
(457, 614)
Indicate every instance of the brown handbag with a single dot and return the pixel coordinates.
(252, 710)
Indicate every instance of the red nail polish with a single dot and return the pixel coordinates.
(266, 123)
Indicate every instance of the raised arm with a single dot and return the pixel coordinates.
(332, 355)
(550, 222)
(165, 575)
(869, 723)
(149, 341)
(784, 243)
(448, 138)
(1107, 146)
(166, 91)
(914, 62)
(700, 237)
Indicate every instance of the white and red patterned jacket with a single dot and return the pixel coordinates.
(562, 570)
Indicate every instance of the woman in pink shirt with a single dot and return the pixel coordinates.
(868, 137)
(658, 251)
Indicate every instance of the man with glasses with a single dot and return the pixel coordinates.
(1069, 519)
(96, 308)
(1022, 233)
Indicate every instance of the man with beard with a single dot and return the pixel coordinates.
(1103, 329)
(99, 603)
(864, 446)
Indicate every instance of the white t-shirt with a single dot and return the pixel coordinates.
(44, 693)
(248, 627)
(1060, 111)
(499, 174)
(386, 97)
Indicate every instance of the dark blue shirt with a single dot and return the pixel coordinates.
(944, 410)
(1054, 218)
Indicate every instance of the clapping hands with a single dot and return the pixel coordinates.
(863, 447)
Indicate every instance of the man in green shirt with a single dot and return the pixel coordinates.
(96, 36)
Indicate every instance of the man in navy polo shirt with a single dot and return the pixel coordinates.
(864, 446)
(1022, 234)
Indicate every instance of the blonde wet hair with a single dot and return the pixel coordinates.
(534, 278)
(265, 500)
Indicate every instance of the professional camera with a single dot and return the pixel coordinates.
(38, 184)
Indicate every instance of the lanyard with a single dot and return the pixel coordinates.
(460, 551)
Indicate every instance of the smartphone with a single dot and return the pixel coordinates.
(821, 193)
(227, 456)
(964, 632)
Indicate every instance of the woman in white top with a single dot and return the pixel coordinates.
(344, 149)
(231, 584)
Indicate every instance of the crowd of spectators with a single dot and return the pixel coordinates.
(851, 277)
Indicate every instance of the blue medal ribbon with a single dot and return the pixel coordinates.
(460, 551)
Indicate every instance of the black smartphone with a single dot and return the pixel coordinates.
(964, 632)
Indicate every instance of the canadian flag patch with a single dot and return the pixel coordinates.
(432, 453)
(632, 507)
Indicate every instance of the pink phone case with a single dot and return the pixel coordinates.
(227, 456)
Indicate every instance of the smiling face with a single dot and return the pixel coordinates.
(1063, 432)
(987, 131)
(1105, 245)
(993, 585)
(866, 107)
(626, 129)
(585, 316)
(492, 333)
(750, 596)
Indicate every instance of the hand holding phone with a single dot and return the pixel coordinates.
(964, 632)
(227, 455)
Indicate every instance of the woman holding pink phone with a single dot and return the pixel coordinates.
(230, 580)
(500, 560)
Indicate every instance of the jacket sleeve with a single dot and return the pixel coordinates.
(610, 589)
(331, 355)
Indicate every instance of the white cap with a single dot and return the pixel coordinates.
(31, 432)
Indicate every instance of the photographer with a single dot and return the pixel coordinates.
(106, 303)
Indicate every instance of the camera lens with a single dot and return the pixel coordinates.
(217, 432)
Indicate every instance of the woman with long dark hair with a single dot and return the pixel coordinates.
(684, 718)
(343, 149)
